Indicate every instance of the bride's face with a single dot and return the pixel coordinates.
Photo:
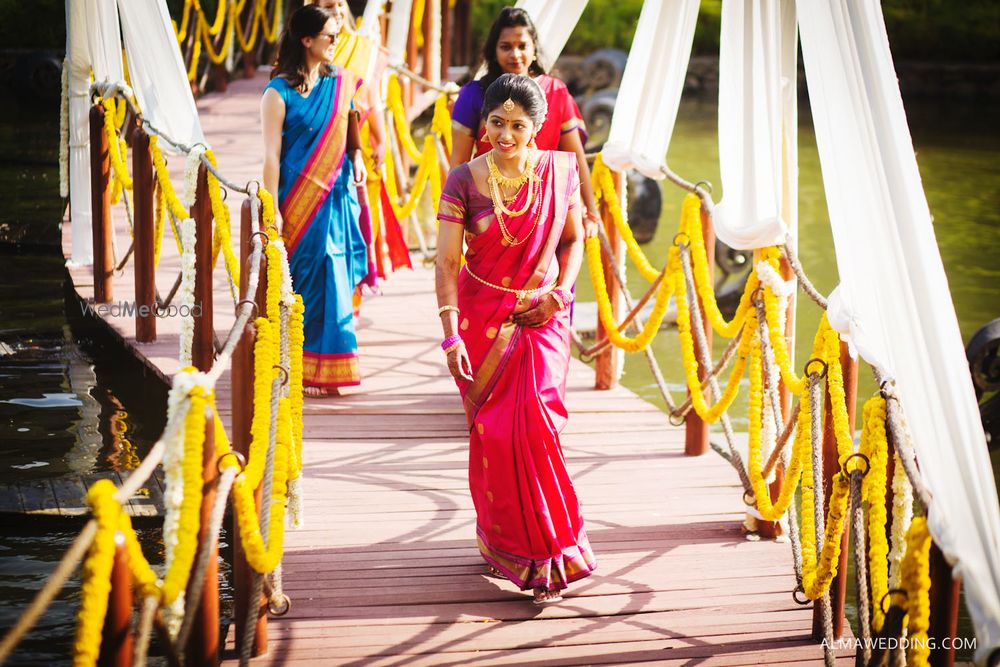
(509, 132)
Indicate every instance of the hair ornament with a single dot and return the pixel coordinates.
(508, 106)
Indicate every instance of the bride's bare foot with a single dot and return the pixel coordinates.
(543, 596)
(320, 392)
(495, 573)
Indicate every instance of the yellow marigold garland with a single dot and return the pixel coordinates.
(394, 101)
(174, 203)
(604, 310)
(692, 227)
(114, 146)
(222, 236)
(176, 578)
(776, 335)
(604, 190)
(917, 582)
(296, 336)
(874, 445)
(96, 574)
(801, 445)
(159, 218)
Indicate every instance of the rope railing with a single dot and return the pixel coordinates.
(758, 349)
(274, 454)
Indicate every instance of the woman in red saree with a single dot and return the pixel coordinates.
(506, 323)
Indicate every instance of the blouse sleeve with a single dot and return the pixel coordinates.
(454, 196)
(468, 108)
(568, 112)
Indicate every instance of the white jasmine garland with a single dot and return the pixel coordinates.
(902, 515)
(64, 132)
(287, 295)
(770, 278)
(191, 175)
(186, 290)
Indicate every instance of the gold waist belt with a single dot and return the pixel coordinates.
(521, 294)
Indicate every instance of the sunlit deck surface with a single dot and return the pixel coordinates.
(386, 570)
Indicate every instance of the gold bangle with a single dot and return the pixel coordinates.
(444, 309)
(451, 348)
(555, 295)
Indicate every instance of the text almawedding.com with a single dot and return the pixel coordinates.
(903, 643)
(132, 309)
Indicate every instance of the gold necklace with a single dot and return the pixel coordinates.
(497, 180)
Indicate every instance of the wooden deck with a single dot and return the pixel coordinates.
(386, 570)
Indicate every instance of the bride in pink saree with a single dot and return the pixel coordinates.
(505, 316)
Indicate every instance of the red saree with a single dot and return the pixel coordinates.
(529, 524)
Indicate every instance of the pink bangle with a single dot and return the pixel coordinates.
(562, 296)
(450, 341)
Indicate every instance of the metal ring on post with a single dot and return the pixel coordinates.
(284, 374)
(822, 373)
(749, 499)
(677, 420)
(687, 238)
(795, 596)
(256, 190)
(868, 463)
(891, 591)
(757, 295)
(240, 459)
(279, 611)
(264, 234)
(708, 185)
(225, 193)
(251, 302)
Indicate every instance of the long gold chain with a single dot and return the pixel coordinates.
(519, 293)
(496, 195)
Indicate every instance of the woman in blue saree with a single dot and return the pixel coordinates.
(304, 113)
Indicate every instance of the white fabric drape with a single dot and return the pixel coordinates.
(157, 72)
(399, 30)
(757, 116)
(554, 20)
(651, 87)
(92, 42)
(893, 297)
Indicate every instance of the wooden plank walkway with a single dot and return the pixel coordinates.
(386, 571)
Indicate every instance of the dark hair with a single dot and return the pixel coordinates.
(521, 90)
(307, 21)
(509, 17)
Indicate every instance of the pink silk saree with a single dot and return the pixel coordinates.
(529, 524)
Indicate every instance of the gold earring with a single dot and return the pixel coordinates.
(508, 106)
(531, 144)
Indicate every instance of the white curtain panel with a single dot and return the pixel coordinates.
(893, 300)
(157, 72)
(92, 42)
(757, 121)
(651, 87)
(555, 21)
(370, 27)
(399, 29)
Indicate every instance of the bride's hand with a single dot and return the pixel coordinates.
(540, 314)
(459, 364)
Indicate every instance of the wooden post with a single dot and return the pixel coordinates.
(249, 57)
(411, 60)
(606, 365)
(428, 31)
(696, 431)
(116, 638)
(203, 348)
(944, 609)
(203, 644)
(445, 38)
(100, 204)
(145, 271)
(769, 529)
(242, 405)
(463, 45)
(831, 466)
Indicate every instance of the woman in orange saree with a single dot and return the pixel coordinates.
(505, 317)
